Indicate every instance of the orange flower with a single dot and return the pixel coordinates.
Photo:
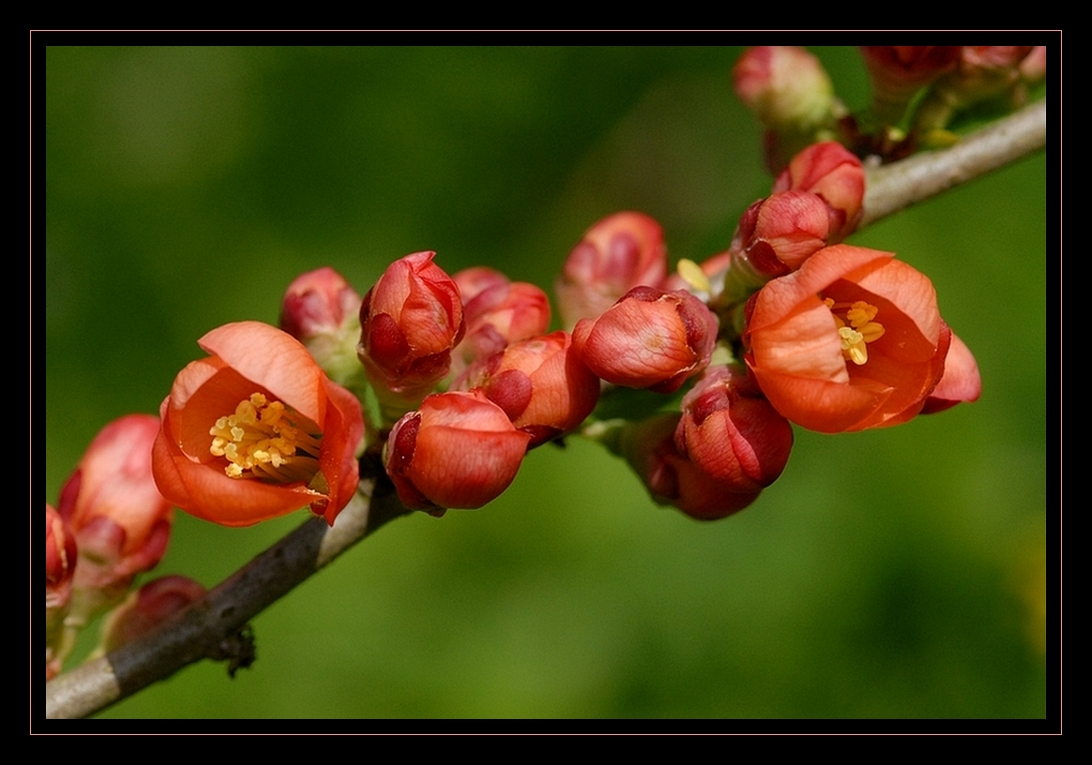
(852, 340)
(256, 430)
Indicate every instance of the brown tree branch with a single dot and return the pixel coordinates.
(210, 628)
(894, 187)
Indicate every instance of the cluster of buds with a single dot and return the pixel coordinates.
(787, 326)
(917, 91)
(468, 379)
(460, 377)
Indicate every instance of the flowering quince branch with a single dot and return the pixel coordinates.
(456, 381)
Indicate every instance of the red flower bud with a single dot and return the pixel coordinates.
(541, 384)
(648, 339)
(120, 521)
(322, 311)
(410, 320)
(318, 303)
(786, 87)
(458, 450)
(782, 231)
(852, 340)
(830, 171)
(257, 430)
(674, 479)
(791, 94)
(899, 72)
(502, 314)
(731, 432)
(475, 280)
(618, 253)
(983, 72)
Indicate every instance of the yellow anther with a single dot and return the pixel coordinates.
(692, 274)
(861, 313)
(265, 439)
(856, 329)
(853, 345)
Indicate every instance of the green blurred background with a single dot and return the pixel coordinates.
(893, 573)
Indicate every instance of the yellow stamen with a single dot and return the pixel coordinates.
(692, 274)
(265, 439)
(856, 329)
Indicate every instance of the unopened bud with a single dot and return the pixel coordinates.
(119, 519)
(833, 173)
(458, 450)
(674, 479)
(410, 320)
(322, 311)
(731, 431)
(541, 384)
(618, 253)
(648, 339)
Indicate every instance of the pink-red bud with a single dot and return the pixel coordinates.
(779, 233)
(501, 314)
(318, 303)
(674, 479)
(458, 450)
(541, 384)
(731, 431)
(791, 94)
(120, 521)
(899, 72)
(410, 320)
(833, 173)
(785, 86)
(648, 339)
(620, 252)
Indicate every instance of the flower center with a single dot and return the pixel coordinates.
(268, 440)
(856, 328)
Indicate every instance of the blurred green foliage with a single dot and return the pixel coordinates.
(893, 573)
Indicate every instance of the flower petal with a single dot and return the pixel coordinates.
(272, 358)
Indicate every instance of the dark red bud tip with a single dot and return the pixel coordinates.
(644, 294)
(403, 443)
(387, 344)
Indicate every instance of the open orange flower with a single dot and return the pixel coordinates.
(256, 430)
(852, 340)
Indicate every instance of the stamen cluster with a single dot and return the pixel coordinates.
(262, 438)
